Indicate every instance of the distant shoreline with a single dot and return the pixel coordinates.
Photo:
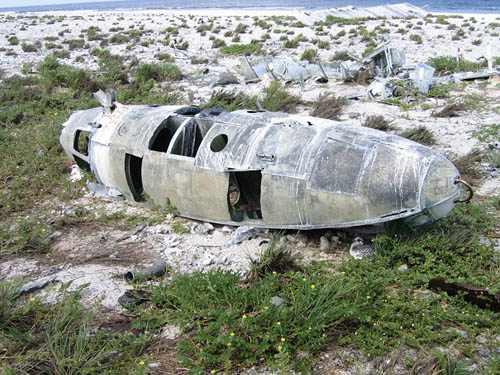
(481, 7)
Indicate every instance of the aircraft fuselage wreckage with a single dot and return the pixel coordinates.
(263, 169)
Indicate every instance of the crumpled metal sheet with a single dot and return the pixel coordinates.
(285, 70)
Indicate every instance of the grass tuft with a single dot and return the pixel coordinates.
(329, 106)
(275, 258)
(467, 165)
(241, 49)
(421, 135)
(450, 110)
(277, 98)
(231, 101)
(378, 122)
(449, 64)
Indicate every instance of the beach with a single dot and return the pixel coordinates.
(53, 31)
(194, 41)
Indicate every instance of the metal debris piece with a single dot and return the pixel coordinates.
(477, 296)
(158, 268)
(134, 297)
(35, 285)
(384, 61)
(102, 191)
(262, 169)
(242, 234)
(422, 76)
(285, 70)
(225, 79)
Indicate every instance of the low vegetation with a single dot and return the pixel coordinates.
(421, 135)
(381, 307)
(328, 106)
(378, 122)
(450, 64)
(278, 99)
(241, 49)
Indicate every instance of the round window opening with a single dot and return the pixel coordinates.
(218, 143)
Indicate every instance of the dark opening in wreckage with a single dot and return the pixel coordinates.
(263, 169)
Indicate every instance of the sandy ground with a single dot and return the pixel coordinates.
(100, 254)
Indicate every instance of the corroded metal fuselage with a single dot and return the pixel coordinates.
(261, 168)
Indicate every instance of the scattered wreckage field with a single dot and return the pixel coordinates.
(422, 301)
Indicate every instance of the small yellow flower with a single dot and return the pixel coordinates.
(32, 299)
(38, 222)
(283, 339)
(266, 307)
(278, 323)
(228, 344)
(55, 113)
(244, 316)
(274, 272)
(280, 347)
(368, 297)
(343, 273)
(141, 363)
(304, 279)
(201, 350)
(212, 372)
(312, 286)
(43, 230)
(232, 333)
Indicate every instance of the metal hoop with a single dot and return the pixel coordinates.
(469, 188)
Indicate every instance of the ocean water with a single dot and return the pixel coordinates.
(457, 6)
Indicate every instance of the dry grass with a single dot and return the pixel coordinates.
(329, 106)
(378, 122)
(450, 110)
(467, 165)
(421, 135)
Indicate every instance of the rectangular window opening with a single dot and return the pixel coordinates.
(133, 168)
(244, 195)
(81, 142)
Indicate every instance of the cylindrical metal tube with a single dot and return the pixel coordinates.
(158, 268)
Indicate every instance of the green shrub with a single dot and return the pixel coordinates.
(449, 64)
(241, 28)
(416, 38)
(323, 44)
(13, 40)
(165, 57)
(217, 43)
(309, 54)
(183, 46)
(74, 44)
(292, 43)
(58, 75)
(277, 98)
(421, 135)
(146, 74)
(231, 101)
(26, 47)
(341, 56)
(241, 49)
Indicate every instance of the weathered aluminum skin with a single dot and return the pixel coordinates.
(291, 171)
